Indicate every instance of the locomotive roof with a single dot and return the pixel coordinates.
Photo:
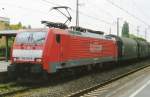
(79, 33)
(57, 31)
(90, 35)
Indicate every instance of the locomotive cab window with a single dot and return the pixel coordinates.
(58, 38)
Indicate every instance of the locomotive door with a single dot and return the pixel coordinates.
(62, 41)
(58, 40)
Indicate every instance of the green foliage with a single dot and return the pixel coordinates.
(2, 48)
(18, 26)
(2, 52)
(125, 29)
(15, 26)
(5, 26)
(137, 38)
(24, 27)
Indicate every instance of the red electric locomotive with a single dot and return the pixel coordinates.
(53, 49)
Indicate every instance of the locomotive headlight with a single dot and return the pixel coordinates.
(38, 59)
(14, 59)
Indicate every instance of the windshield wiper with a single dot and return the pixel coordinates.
(39, 40)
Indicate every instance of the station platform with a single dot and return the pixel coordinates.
(4, 65)
(135, 85)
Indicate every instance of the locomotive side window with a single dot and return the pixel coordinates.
(58, 38)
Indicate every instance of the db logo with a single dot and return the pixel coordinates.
(95, 47)
(28, 47)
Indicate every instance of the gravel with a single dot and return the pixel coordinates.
(74, 85)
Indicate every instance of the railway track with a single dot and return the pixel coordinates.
(89, 92)
(12, 88)
(69, 88)
(13, 91)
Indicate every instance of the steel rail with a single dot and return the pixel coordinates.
(90, 89)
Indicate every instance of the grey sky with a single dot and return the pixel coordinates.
(33, 11)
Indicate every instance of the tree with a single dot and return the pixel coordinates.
(136, 37)
(125, 29)
(16, 26)
(19, 25)
(24, 27)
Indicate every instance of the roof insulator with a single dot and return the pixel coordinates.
(85, 30)
(55, 25)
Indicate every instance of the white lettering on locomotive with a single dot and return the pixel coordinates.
(26, 55)
(95, 47)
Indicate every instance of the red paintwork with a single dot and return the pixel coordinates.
(28, 46)
(72, 47)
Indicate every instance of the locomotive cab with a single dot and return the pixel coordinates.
(37, 51)
(27, 52)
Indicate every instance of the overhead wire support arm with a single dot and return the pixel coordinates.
(59, 25)
(82, 13)
(69, 18)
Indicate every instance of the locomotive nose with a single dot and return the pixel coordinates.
(27, 55)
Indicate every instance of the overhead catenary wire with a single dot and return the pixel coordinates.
(105, 11)
(101, 20)
(126, 11)
(51, 3)
(139, 9)
(142, 12)
(104, 21)
(39, 11)
(24, 8)
(82, 13)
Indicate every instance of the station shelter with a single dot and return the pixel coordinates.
(4, 36)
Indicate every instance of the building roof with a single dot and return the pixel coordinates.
(8, 32)
(5, 19)
(14, 32)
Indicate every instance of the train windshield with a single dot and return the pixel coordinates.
(31, 37)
